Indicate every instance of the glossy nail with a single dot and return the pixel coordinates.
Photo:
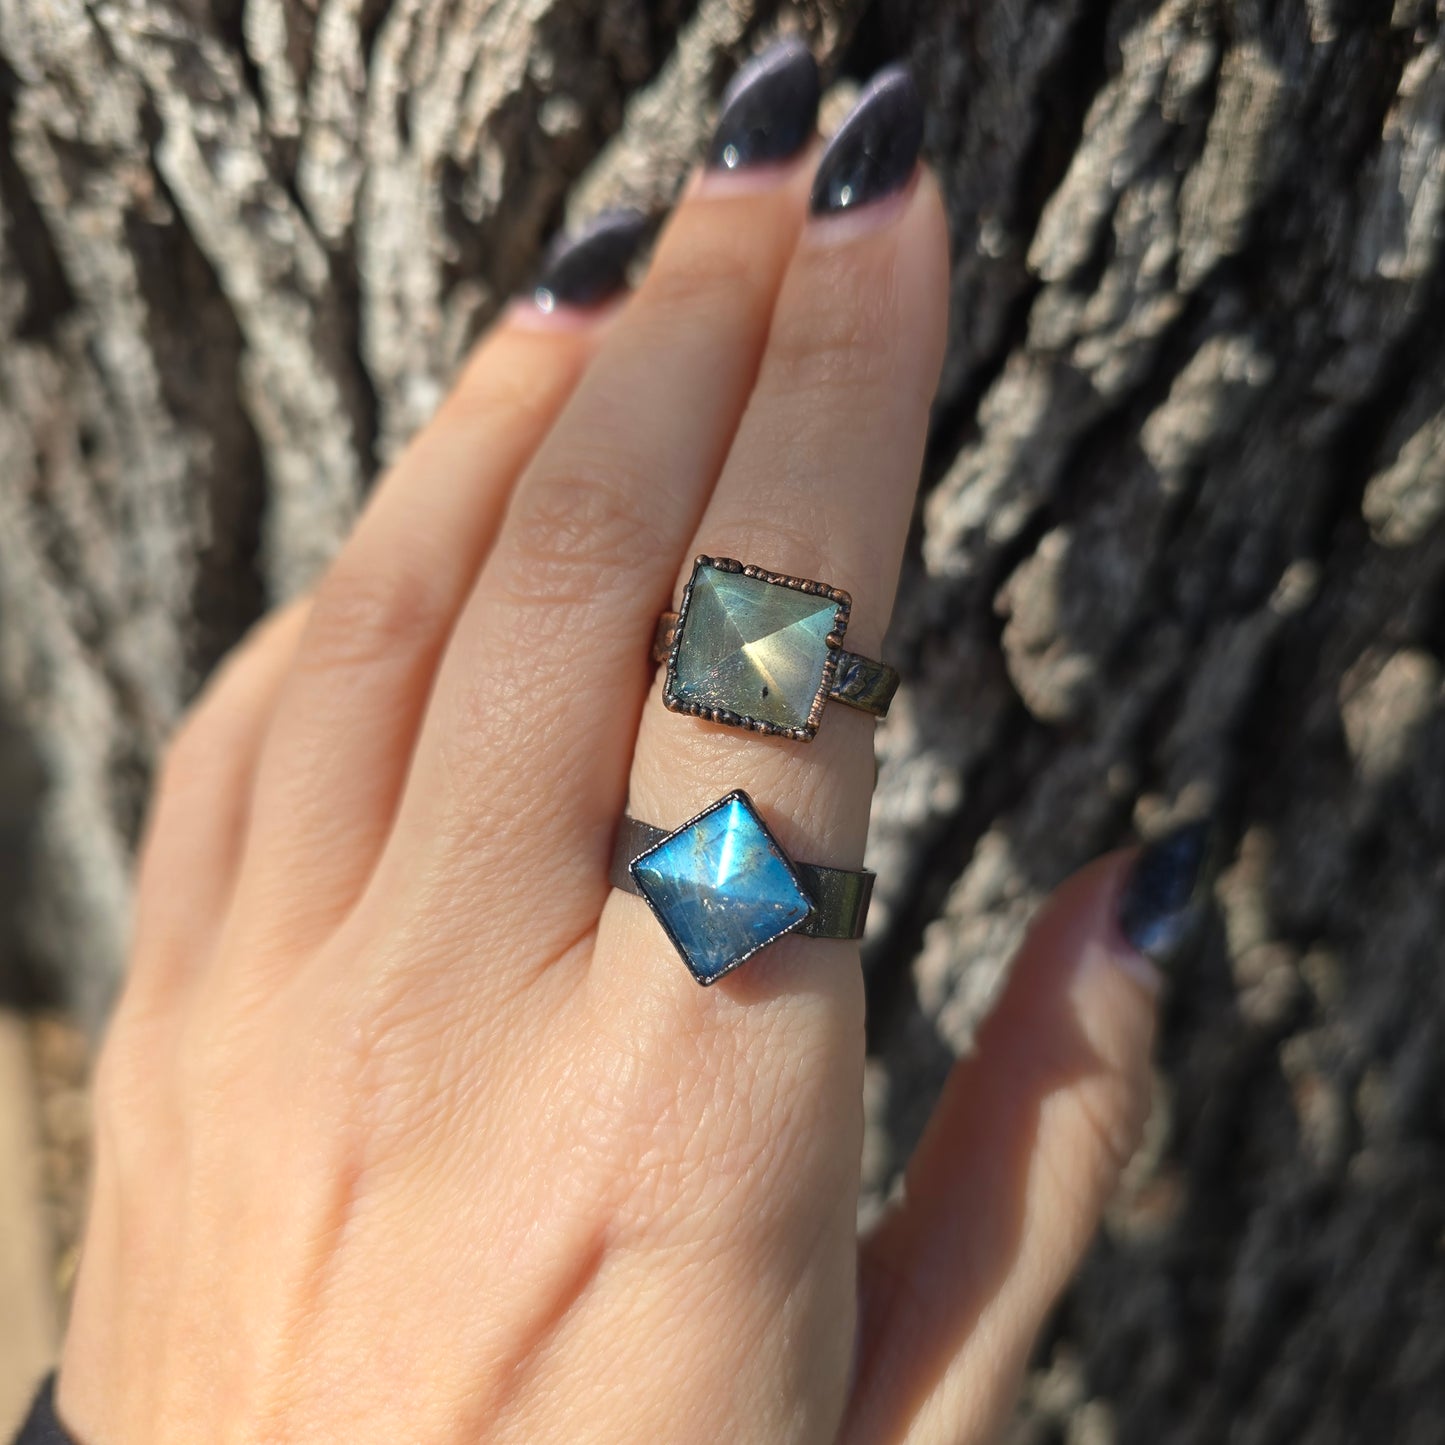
(589, 266)
(1162, 900)
(875, 149)
(768, 110)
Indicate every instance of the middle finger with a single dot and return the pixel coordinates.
(536, 704)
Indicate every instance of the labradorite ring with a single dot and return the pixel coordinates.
(722, 887)
(764, 651)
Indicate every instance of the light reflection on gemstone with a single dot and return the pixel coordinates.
(752, 647)
(721, 888)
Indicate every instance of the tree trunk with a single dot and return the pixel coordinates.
(1180, 545)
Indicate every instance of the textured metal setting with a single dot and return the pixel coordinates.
(863, 684)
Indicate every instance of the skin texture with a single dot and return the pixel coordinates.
(407, 1126)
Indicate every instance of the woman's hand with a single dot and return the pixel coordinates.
(411, 1128)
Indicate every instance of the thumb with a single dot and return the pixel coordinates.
(1025, 1147)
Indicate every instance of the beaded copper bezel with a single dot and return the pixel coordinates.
(843, 604)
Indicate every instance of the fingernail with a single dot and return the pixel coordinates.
(1163, 900)
(589, 266)
(875, 149)
(768, 110)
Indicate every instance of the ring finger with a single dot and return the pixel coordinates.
(819, 483)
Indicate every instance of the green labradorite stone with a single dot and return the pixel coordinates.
(753, 647)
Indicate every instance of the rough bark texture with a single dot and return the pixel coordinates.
(1181, 544)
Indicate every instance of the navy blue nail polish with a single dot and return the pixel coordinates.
(768, 111)
(875, 149)
(1161, 903)
(589, 266)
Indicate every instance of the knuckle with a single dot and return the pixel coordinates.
(1110, 1122)
(569, 525)
(845, 338)
(364, 614)
(704, 271)
(199, 741)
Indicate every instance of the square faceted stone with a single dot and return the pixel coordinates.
(721, 887)
(752, 647)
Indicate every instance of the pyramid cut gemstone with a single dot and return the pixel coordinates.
(722, 888)
(752, 647)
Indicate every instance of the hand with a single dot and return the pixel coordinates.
(409, 1127)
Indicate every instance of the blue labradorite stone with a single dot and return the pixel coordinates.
(752, 647)
(721, 888)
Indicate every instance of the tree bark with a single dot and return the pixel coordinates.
(1180, 545)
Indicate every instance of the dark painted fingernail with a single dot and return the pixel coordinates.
(768, 110)
(589, 266)
(1163, 899)
(875, 149)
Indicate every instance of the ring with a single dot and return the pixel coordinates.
(761, 650)
(722, 887)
